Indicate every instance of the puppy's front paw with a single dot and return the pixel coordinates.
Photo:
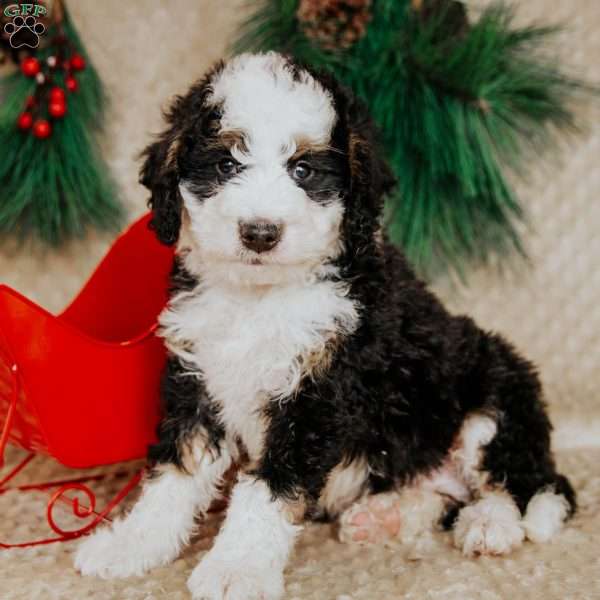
(107, 555)
(110, 554)
(216, 579)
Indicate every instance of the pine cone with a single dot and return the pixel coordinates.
(334, 24)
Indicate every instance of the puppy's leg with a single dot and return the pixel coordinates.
(252, 548)
(159, 524)
(505, 456)
(191, 457)
(404, 514)
(491, 524)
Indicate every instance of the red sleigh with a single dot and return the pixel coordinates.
(82, 387)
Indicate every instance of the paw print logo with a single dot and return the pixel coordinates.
(24, 32)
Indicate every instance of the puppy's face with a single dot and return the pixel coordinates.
(256, 171)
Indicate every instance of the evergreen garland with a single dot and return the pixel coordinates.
(459, 105)
(53, 187)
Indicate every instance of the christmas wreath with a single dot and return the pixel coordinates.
(53, 180)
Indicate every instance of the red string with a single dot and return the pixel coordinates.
(78, 510)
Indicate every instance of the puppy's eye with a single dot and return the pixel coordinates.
(227, 166)
(302, 171)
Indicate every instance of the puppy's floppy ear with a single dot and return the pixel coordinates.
(160, 171)
(371, 176)
(159, 174)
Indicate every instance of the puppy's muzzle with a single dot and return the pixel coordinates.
(260, 236)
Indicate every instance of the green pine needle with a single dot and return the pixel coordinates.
(55, 188)
(456, 113)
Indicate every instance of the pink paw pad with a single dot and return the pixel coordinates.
(372, 520)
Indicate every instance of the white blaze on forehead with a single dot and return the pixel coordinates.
(261, 97)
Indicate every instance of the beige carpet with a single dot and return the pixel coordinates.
(148, 50)
(568, 568)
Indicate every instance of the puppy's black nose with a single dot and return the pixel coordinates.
(260, 236)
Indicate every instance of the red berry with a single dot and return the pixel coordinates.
(77, 62)
(30, 102)
(57, 94)
(42, 129)
(57, 109)
(30, 66)
(71, 83)
(25, 120)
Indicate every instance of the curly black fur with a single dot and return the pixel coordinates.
(399, 388)
(398, 392)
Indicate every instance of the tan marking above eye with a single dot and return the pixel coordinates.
(234, 138)
(305, 146)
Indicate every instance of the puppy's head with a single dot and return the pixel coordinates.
(265, 172)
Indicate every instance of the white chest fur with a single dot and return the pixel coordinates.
(251, 345)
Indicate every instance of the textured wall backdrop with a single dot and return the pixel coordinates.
(148, 50)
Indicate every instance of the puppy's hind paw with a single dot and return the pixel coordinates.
(491, 526)
(372, 520)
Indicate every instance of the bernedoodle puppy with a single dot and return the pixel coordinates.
(303, 349)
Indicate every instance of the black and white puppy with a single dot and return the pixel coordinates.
(303, 349)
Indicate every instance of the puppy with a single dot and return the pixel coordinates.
(303, 349)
